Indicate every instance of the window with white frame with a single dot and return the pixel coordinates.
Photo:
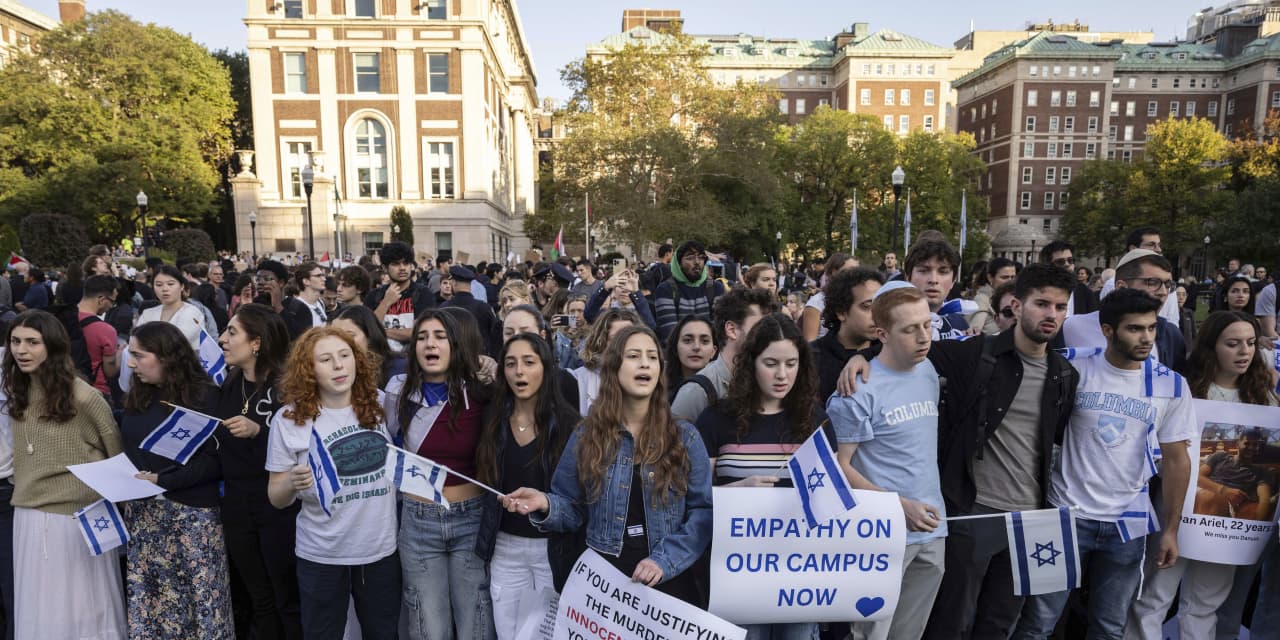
(1111, 133)
(368, 73)
(1066, 149)
(1071, 71)
(888, 97)
(994, 105)
(888, 122)
(904, 124)
(1031, 124)
(1191, 108)
(864, 97)
(1115, 107)
(1052, 150)
(993, 129)
(1048, 200)
(1033, 97)
(1130, 108)
(1034, 72)
(297, 154)
(1062, 200)
(1275, 99)
(1069, 124)
(928, 125)
(983, 111)
(1064, 175)
(1071, 97)
(1133, 83)
(295, 72)
(1126, 155)
(1028, 149)
(1027, 175)
(1173, 108)
(1024, 200)
(292, 9)
(373, 241)
(1177, 82)
(1155, 83)
(371, 159)
(438, 73)
(1212, 109)
(1046, 224)
(1053, 124)
(439, 160)
(1057, 69)
(1128, 133)
(928, 97)
(1095, 98)
(800, 106)
(1111, 154)
(904, 97)
(1231, 107)
(1055, 98)
(1090, 150)
(1152, 108)
(1050, 175)
(823, 102)
(782, 106)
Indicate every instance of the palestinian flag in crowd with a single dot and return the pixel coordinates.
(557, 249)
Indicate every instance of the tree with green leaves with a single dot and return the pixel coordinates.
(106, 107)
(400, 219)
(1099, 208)
(941, 168)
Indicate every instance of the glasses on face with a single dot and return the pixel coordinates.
(1007, 313)
(1063, 262)
(1151, 245)
(1155, 284)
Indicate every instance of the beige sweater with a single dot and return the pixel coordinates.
(41, 480)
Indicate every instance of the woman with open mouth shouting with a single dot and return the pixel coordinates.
(639, 481)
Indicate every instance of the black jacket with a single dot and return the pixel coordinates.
(1084, 299)
(486, 322)
(829, 359)
(422, 297)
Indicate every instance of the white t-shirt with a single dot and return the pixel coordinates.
(363, 526)
(1101, 469)
(1084, 331)
(819, 302)
(188, 319)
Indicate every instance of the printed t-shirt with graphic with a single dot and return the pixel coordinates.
(1101, 469)
(399, 316)
(893, 418)
(362, 528)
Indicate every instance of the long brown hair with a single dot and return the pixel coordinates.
(1254, 383)
(743, 400)
(302, 391)
(56, 376)
(597, 340)
(185, 382)
(658, 444)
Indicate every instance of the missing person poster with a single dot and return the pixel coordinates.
(1230, 508)
(768, 566)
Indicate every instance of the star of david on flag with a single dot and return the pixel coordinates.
(102, 527)
(325, 472)
(180, 435)
(211, 358)
(1042, 547)
(416, 475)
(824, 491)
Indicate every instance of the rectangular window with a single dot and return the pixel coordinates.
(1155, 83)
(1128, 133)
(984, 111)
(824, 80)
(1097, 70)
(888, 122)
(438, 72)
(864, 97)
(436, 10)
(1090, 150)
(866, 68)
(372, 242)
(1173, 109)
(1275, 99)
(1177, 82)
(1231, 107)
(1024, 200)
(890, 69)
(993, 129)
(1126, 156)
(1034, 71)
(365, 8)
(1048, 201)
(1062, 200)
(1032, 97)
(296, 156)
(888, 97)
(1152, 108)
(1069, 124)
(783, 81)
(1028, 149)
(1050, 175)
(292, 9)
(1071, 71)
(368, 73)
(1071, 97)
(1212, 109)
(1055, 98)
(904, 124)
(799, 80)
(928, 97)
(1066, 149)
(1227, 130)
(1057, 70)
(1111, 133)
(1026, 175)
(905, 97)
(1115, 83)
(1031, 124)
(1130, 108)
(929, 69)
(1133, 83)
(928, 125)
(782, 106)
(1095, 98)
(440, 169)
(879, 69)
(1111, 154)
(1191, 108)
(1093, 124)
(994, 104)
(973, 114)
(295, 73)
(800, 106)
(1053, 124)
(444, 243)
(1065, 175)
(823, 102)
(1115, 107)
(1052, 151)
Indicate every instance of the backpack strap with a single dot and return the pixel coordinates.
(707, 387)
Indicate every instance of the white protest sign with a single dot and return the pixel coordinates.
(767, 566)
(1235, 462)
(599, 602)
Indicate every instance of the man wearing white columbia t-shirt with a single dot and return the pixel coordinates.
(1106, 462)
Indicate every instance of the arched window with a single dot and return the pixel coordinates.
(371, 159)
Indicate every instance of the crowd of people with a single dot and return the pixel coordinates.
(604, 401)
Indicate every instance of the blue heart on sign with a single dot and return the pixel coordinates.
(868, 606)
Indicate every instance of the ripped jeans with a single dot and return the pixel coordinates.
(446, 585)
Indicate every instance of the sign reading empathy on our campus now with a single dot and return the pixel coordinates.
(767, 565)
(600, 603)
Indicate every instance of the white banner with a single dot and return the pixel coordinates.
(599, 602)
(768, 566)
(1230, 508)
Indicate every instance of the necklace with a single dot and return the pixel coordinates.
(244, 411)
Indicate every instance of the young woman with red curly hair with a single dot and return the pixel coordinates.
(330, 386)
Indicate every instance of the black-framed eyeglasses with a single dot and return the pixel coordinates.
(1155, 283)
(1062, 262)
(1007, 313)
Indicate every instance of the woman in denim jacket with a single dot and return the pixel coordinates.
(651, 519)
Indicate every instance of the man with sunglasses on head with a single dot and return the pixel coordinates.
(1062, 254)
(1149, 272)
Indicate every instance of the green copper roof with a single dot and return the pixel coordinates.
(892, 42)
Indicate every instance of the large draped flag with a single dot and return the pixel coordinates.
(416, 475)
(325, 472)
(180, 435)
(906, 225)
(102, 527)
(211, 357)
(1042, 545)
(823, 488)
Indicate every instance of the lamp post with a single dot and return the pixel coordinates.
(253, 233)
(1206, 256)
(308, 183)
(898, 177)
(779, 254)
(1031, 258)
(142, 207)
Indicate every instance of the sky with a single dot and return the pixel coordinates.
(558, 31)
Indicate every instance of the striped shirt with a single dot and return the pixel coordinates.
(763, 451)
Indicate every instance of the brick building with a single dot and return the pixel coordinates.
(21, 25)
(426, 105)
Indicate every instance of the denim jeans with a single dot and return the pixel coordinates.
(326, 590)
(782, 631)
(1114, 569)
(446, 584)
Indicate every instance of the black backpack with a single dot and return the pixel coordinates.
(70, 317)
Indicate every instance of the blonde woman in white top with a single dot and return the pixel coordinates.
(173, 308)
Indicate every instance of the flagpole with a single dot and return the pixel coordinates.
(963, 232)
(1000, 515)
(203, 415)
(586, 227)
(452, 472)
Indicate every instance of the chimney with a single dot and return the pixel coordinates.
(71, 10)
(859, 30)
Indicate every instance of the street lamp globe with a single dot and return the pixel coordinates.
(142, 199)
(898, 177)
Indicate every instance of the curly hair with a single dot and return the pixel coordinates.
(839, 293)
(659, 442)
(185, 381)
(597, 340)
(1254, 384)
(743, 399)
(301, 390)
(56, 376)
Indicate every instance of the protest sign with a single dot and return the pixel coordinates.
(768, 566)
(598, 601)
(1235, 462)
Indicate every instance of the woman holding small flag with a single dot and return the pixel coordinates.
(61, 588)
(327, 448)
(438, 406)
(524, 434)
(260, 538)
(178, 583)
(770, 411)
(634, 477)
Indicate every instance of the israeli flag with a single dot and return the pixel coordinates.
(102, 527)
(416, 475)
(1139, 518)
(325, 472)
(1042, 545)
(958, 305)
(824, 491)
(1160, 381)
(180, 435)
(906, 224)
(853, 223)
(964, 221)
(211, 358)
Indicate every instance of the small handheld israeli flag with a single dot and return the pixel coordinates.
(102, 527)
(416, 475)
(180, 435)
(325, 472)
(824, 490)
(211, 358)
(1138, 519)
(1042, 545)
(958, 305)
